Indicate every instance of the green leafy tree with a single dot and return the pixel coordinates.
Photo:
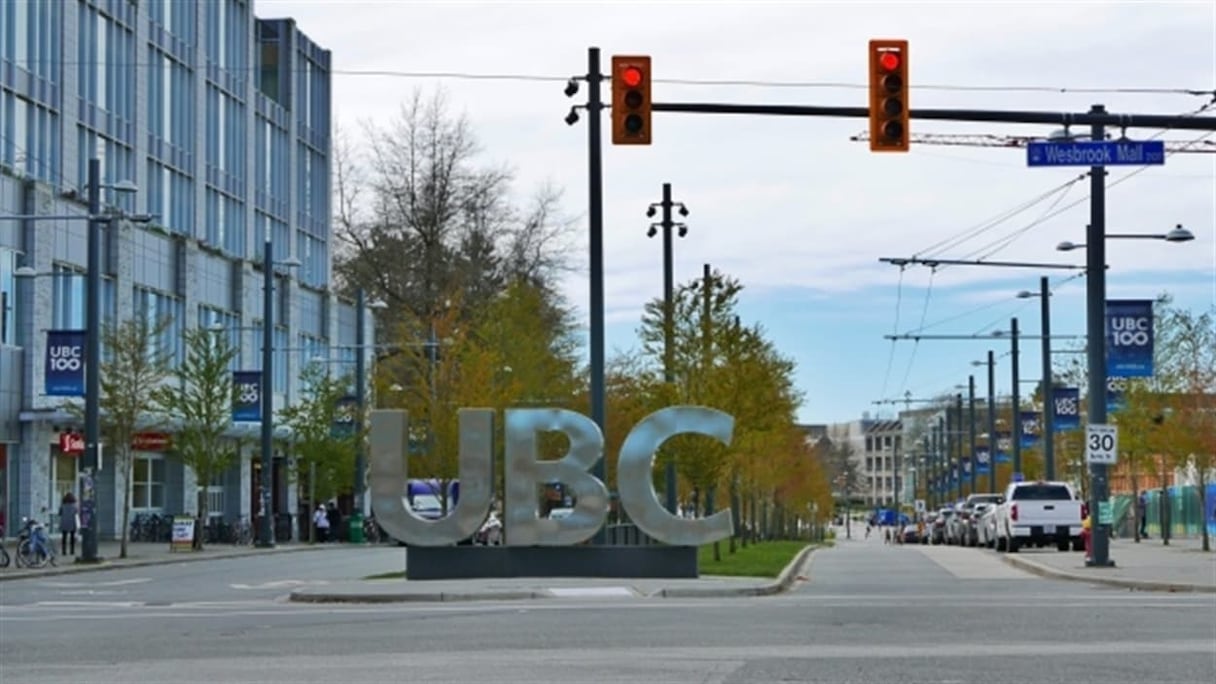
(201, 400)
(322, 445)
(137, 359)
(1188, 368)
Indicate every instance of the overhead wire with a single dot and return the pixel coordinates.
(924, 312)
(899, 289)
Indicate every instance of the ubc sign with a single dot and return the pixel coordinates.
(247, 396)
(64, 374)
(1066, 407)
(1129, 338)
(388, 474)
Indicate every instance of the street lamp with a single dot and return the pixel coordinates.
(1049, 447)
(1176, 234)
(1095, 308)
(668, 324)
(992, 441)
(265, 537)
(361, 388)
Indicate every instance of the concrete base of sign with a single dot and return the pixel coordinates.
(470, 562)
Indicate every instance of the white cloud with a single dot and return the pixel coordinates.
(790, 205)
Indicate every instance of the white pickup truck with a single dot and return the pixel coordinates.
(1038, 514)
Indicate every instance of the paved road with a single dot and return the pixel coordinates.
(870, 613)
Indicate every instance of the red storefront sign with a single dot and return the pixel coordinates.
(71, 443)
(149, 441)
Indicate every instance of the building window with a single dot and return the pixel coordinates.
(170, 93)
(315, 351)
(147, 483)
(117, 164)
(171, 198)
(223, 323)
(68, 298)
(155, 307)
(105, 53)
(29, 138)
(8, 297)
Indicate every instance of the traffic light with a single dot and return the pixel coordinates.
(889, 96)
(630, 100)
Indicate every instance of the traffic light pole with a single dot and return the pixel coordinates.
(595, 222)
(1098, 116)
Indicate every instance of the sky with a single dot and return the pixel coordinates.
(791, 207)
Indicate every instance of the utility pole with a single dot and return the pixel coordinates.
(360, 397)
(971, 412)
(1095, 327)
(992, 440)
(957, 466)
(667, 224)
(1016, 429)
(707, 355)
(92, 370)
(1049, 440)
(265, 535)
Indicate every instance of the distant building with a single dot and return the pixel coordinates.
(877, 446)
(222, 121)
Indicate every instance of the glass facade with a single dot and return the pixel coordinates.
(223, 123)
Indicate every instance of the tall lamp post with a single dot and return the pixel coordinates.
(991, 363)
(1049, 446)
(1095, 315)
(667, 224)
(92, 351)
(265, 537)
(361, 306)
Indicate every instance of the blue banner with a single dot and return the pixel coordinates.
(247, 396)
(64, 374)
(344, 417)
(967, 468)
(1066, 404)
(982, 459)
(1129, 338)
(1004, 447)
(1032, 429)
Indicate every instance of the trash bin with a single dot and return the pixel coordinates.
(355, 531)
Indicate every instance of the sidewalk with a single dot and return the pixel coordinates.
(1149, 566)
(402, 590)
(141, 554)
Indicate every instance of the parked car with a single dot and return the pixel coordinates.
(1038, 514)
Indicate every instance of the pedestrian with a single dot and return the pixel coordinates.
(1143, 502)
(69, 522)
(321, 521)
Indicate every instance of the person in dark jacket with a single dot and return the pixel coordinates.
(68, 523)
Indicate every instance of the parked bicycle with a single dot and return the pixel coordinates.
(34, 549)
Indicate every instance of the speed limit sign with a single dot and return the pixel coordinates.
(1101, 444)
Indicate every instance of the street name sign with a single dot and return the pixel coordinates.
(1101, 444)
(1100, 153)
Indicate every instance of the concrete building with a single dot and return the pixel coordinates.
(222, 121)
(876, 448)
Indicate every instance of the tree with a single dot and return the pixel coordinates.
(323, 449)
(1188, 368)
(137, 356)
(846, 475)
(202, 399)
(418, 215)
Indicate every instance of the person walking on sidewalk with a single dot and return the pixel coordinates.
(321, 520)
(69, 522)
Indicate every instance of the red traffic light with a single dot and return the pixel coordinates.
(889, 61)
(631, 76)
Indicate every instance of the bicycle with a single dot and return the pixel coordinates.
(34, 549)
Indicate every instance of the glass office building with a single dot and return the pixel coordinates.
(222, 122)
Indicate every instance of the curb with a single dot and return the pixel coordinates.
(1142, 585)
(118, 564)
(442, 597)
(784, 581)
